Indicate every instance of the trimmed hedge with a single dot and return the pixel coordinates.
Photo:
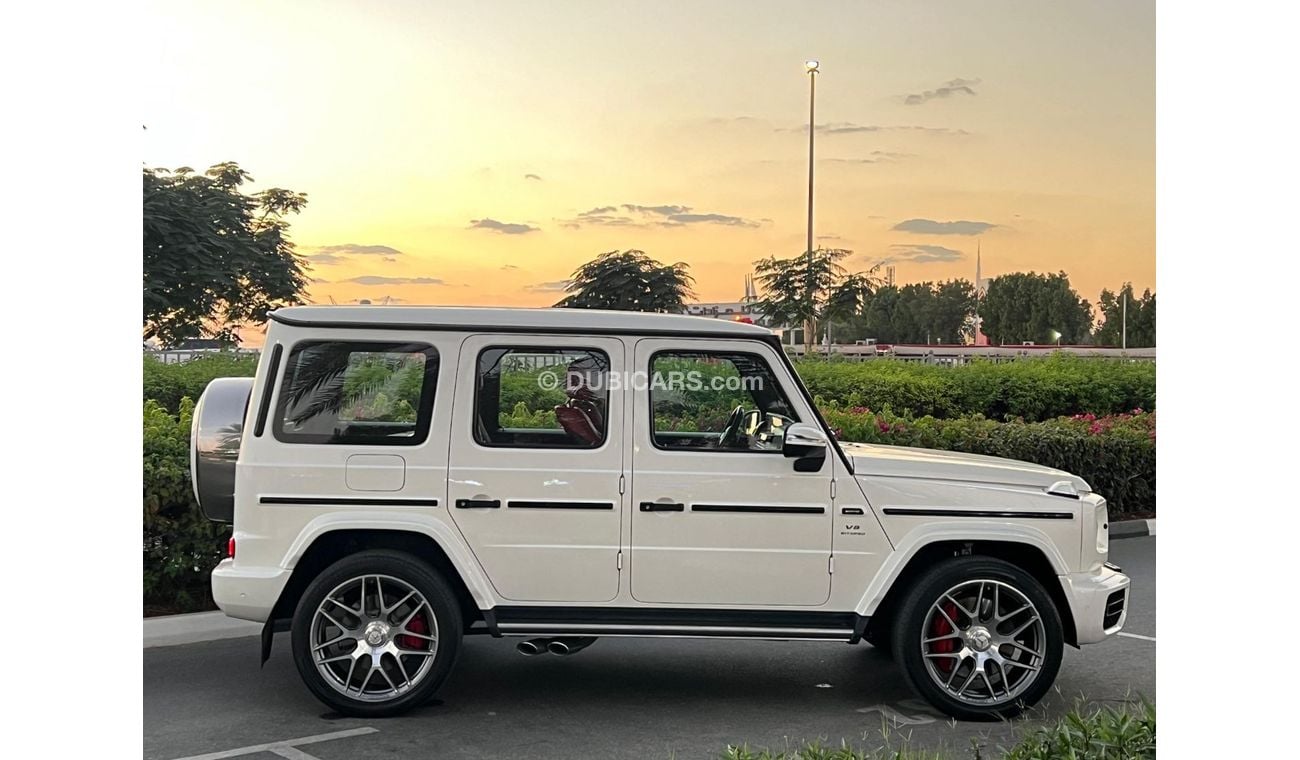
(180, 546)
(1116, 454)
(1031, 389)
(167, 384)
(1111, 444)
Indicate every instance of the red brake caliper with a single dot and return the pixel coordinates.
(941, 627)
(417, 625)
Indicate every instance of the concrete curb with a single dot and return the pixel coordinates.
(171, 630)
(195, 628)
(1132, 528)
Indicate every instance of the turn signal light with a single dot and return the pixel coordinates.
(230, 548)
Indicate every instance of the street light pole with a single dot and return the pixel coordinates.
(811, 66)
(1124, 323)
(812, 128)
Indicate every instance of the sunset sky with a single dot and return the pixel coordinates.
(476, 153)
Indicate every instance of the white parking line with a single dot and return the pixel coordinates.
(897, 718)
(292, 753)
(1136, 636)
(287, 748)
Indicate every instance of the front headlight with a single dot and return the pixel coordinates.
(1101, 518)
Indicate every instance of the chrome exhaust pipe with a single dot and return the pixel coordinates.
(533, 647)
(569, 645)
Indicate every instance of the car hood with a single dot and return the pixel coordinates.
(930, 464)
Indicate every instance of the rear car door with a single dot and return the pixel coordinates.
(536, 461)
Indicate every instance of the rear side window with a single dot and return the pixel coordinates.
(350, 392)
(540, 397)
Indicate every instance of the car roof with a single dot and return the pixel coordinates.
(477, 318)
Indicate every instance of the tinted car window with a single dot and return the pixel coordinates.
(359, 393)
(540, 397)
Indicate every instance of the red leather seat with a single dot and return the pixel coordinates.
(582, 416)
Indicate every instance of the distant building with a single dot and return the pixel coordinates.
(201, 344)
(744, 309)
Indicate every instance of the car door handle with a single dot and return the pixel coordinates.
(478, 503)
(656, 506)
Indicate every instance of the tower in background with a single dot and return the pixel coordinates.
(981, 287)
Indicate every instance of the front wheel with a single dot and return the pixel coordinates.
(376, 634)
(979, 638)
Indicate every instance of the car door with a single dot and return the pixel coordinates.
(536, 461)
(720, 523)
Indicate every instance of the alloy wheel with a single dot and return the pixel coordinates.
(983, 642)
(374, 638)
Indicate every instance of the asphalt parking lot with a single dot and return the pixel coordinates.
(641, 698)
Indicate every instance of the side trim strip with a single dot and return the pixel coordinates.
(331, 501)
(976, 513)
(663, 618)
(264, 405)
(758, 509)
(560, 504)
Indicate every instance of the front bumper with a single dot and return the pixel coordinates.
(1098, 602)
(248, 593)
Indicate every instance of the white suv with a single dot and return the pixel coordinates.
(399, 478)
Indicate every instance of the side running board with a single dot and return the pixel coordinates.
(640, 621)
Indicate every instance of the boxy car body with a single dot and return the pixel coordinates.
(561, 475)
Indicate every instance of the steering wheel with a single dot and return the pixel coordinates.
(731, 432)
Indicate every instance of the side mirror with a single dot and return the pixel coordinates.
(806, 445)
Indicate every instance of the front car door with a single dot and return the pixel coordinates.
(535, 464)
(719, 515)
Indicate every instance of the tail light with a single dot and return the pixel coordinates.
(230, 548)
(1102, 519)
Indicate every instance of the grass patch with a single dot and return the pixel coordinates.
(1084, 733)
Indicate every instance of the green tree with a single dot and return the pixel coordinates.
(878, 318)
(915, 313)
(954, 305)
(812, 290)
(215, 257)
(629, 281)
(1027, 306)
(1141, 318)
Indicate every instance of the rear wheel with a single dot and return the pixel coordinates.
(979, 638)
(376, 633)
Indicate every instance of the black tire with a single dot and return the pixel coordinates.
(409, 570)
(910, 620)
